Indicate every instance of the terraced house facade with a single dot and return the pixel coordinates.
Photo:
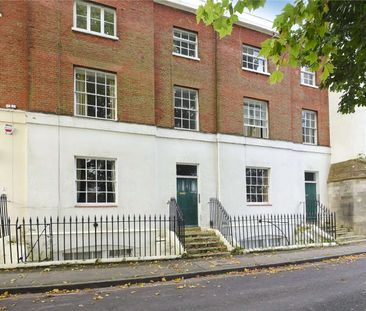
(111, 107)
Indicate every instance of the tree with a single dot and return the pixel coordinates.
(327, 36)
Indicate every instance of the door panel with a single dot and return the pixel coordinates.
(187, 199)
(310, 200)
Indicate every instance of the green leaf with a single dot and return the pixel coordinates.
(276, 77)
(312, 58)
(327, 70)
(295, 50)
(239, 7)
(292, 61)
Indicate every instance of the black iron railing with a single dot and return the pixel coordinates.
(220, 219)
(273, 230)
(74, 238)
(316, 208)
(178, 227)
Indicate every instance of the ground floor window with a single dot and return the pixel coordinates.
(257, 184)
(95, 180)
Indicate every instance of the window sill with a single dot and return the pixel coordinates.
(309, 85)
(94, 118)
(259, 204)
(260, 72)
(94, 33)
(184, 129)
(310, 144)
(184, 56)
(247, 136)
(92, 205)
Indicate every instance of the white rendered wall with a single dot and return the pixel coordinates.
(347, 132)
(286, 162)
(13, 175)
(146, 167)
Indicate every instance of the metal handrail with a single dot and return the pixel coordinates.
(176, 213)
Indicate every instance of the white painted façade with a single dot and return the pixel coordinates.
(38, 167)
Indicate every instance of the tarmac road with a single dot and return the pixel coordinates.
(336, 285)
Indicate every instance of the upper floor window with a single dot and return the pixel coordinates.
(255, 118)
(307, 76)
(95, 94)
(185, 108)
(95, 19)
(252, 61)
(185, 43)
(95, 180)
(257, 184)
(309, 127)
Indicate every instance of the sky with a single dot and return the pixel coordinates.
(271, 9)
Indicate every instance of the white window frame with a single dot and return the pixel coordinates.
(88, 18)
(95, 94)
(306, 71)
(256, 185)
(304, 120)
(187, 41)
(196, 110)
(261, 58)
(248, 125)
(115, 181)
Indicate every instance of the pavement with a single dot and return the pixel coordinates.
(32, 280)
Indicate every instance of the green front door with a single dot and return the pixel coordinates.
(187, 199)
(310, 201)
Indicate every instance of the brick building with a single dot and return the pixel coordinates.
(121, 105)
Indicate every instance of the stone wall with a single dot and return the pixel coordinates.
(347, 194)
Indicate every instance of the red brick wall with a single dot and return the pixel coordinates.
(223, 84)
(55, 49)
(14, 80)
(39, 50)
(285, 100)
(173, 70)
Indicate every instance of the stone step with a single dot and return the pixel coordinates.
(199, 233)
(349, 234)
(343, 230)
(212, 243)
(363, 240)
(342, 234)
(210, 254)
(203, 243)
(193, 228)
(350, 237)
(201, 239)
(201, 250)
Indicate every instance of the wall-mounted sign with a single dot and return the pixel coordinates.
(8, 129)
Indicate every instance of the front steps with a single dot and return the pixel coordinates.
(347, 236)
(203, 243)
